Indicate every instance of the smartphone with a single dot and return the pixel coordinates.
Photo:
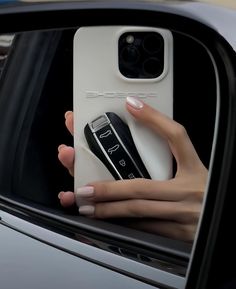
(111, 63)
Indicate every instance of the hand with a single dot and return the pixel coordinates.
(170, 208)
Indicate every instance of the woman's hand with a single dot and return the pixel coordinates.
(170, 208)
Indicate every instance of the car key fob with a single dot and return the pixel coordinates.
(109, 138)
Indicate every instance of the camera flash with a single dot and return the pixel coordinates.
(130, 39)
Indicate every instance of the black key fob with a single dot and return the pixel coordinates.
(109, 138)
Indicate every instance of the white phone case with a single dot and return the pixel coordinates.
(98, 87)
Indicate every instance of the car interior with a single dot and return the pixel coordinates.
(42, 93)
(36, 89)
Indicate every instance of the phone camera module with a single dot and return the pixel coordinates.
(152, 67)
(130, 54)
(141, 54)
(152, 43)
(130, 39)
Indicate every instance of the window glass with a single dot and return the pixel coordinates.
(41, 69)
(5, 45)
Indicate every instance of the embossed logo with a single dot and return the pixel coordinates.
(118, 94)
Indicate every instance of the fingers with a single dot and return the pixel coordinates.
(67, 199)
(140, 198)
(177, 200)
(69, 121)
(173, 132)
(144, 210)
(66, 156)
(135, 209)
(152, 222)
(170, 208)
(172, 190)
(141, 209)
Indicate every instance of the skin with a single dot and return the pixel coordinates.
(169, 208)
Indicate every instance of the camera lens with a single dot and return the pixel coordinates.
(152, 67)
(152, 43)
(130, 54)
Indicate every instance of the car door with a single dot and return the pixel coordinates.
(37, 80)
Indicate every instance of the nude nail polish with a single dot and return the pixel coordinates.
(87, 210)
(134, 102)
(85, 192)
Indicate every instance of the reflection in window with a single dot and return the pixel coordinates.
(5, 45)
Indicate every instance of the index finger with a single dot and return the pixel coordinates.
(175, 134)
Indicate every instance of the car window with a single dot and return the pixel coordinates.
(38, 175)
(40, 65)
(5, 46)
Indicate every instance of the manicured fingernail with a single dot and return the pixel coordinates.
(87, 210)
(60, 195)
(61, 146)
(68, 113)
(134, 102)
(85, 192)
